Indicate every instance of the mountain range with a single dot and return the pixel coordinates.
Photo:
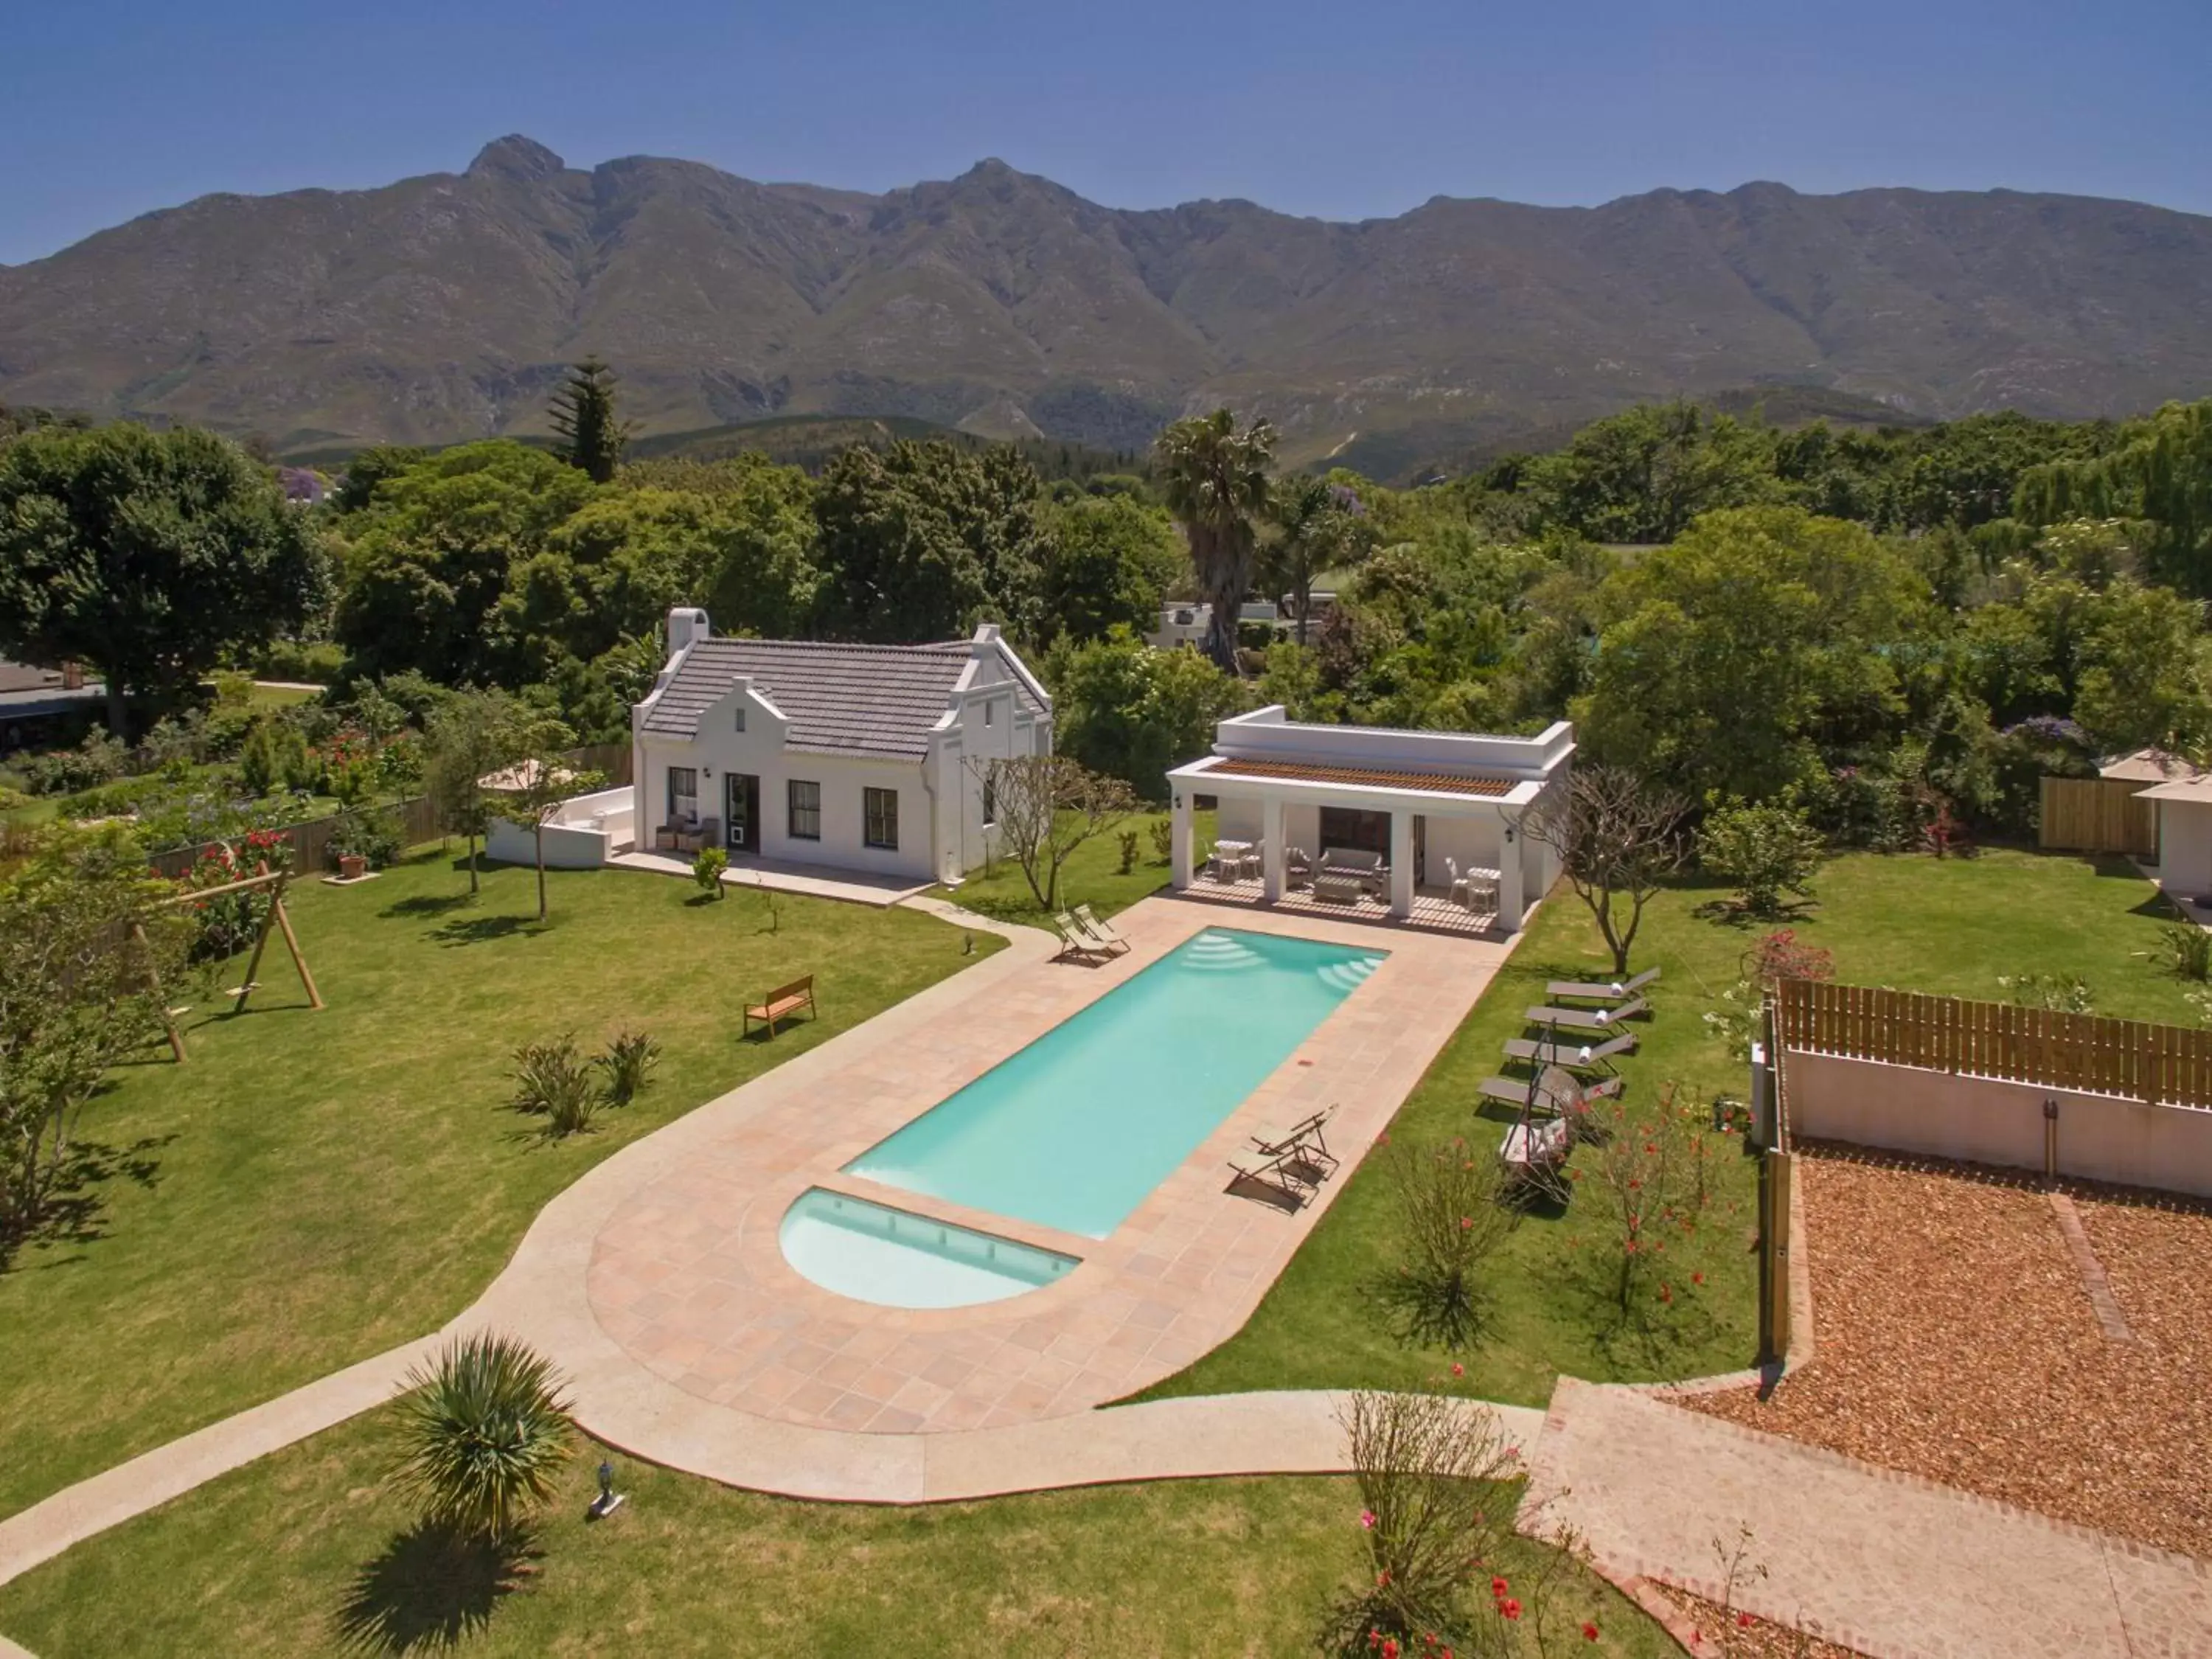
(446, 308)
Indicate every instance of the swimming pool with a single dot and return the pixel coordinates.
(873, 1253)
(1073, 1132)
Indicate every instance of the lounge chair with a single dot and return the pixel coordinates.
(1099, 930)
(1302, 1140)
(1276, 1173)
(1586, 1020)
(1297, 868)
(1072, 927)
(1575, 1057)
(1534, 1154)
(1620, 990)
(1071, 940)
(1519, 1091)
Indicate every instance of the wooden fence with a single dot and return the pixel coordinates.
(2083, 1052)
(418, 819)
(2097, 815)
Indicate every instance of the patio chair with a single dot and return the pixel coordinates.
(1071, 928)
(1305, 1139)
(1535, 1153)
(1073, 943)
(1575, 1057)
(1254, 865)
(1518, 1091)
(1586, 1020)
(1297, 868)
(1099, 930)
(1620, 990)
(1277, 1174)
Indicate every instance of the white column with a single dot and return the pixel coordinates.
(1402, 864)
(1272, 861)
(1511, 904)
(1181, 838)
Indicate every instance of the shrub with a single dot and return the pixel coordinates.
(1435, 1520)
(1776, 957)
(629, 1063)
(1127, 841)
(375, 837)
(99, 759)
(706, 870)
(552, 1081)
(288, 659)
(275, 754)
(482, 1434)
(1450, 1220)
(1651, 1174)
(1762, 851)
(2189, 949)
(227, 923)
(2061, 994)
(1163, 834)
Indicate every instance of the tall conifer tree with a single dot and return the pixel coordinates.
(584, 419)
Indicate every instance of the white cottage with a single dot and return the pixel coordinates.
(865, 757)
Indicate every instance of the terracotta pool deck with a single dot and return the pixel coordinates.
(658, 1282)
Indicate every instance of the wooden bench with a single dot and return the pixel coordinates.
(781, 1003)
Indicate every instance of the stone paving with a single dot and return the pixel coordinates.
(1890, 1565)
(687, 1277)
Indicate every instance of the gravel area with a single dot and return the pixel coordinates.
(1956, 1340)
(1724, 1635)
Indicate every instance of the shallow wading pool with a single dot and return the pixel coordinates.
(1075, 1130)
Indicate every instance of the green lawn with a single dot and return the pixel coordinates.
(1092, 875)
(314, 1188)
(1912, 922)
(305, 1552)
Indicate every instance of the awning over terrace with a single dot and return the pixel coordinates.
(1424, 802)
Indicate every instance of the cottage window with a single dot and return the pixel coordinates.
(990, 800)
(879, 808)
(805, 811)
(682, 794)
(990, 706)
(741, 717)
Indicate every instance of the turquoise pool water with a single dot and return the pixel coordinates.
(1076, 1128)
(873, 1253)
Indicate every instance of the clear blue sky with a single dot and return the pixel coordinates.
(1335, 110)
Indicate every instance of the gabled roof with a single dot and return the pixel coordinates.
(2148, 766)
(840, 699)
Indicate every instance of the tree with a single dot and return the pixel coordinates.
(2160, 471)
(1215, 482)
(1317, 524)
(1108, 561)
(81, 944)
(1125, 710)
(1642, 475)
(1617, 838)
(1047, 807)
(1762, 639)
(483, 1434)
(583, 418)
(541, 780)
(472, 737)
(149, 555)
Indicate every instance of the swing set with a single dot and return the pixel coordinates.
(276, 918)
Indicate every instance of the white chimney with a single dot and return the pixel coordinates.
(686, 623)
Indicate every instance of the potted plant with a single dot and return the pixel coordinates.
(352, 866)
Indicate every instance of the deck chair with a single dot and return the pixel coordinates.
(1071, 940)
(1586, 1020)
(1094, 929)
(1277, 1174)
(1534, 1154)
(1302, 1142)
(1519, 1091)
(1575, 1057)
(1620, 990)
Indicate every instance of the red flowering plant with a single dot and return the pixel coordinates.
(1451, 1216)
(1650, 1184)
(228, 922)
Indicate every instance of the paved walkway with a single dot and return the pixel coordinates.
(812, 880)
(1888, 1565)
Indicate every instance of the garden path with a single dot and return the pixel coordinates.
(1888, 1565)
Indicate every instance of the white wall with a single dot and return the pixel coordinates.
(2185, 846)
(1266, 734)
(1986, 1120)
(985, 723)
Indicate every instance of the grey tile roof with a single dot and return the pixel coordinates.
(842, 699)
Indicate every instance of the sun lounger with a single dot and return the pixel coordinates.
(1277, 1174)
(1586, 1020)
(1302, 1141)
(1072, 942)
(1100, 931)
(1517, 1092)
(1620, 990)
(1575, 1057)
(1534, 1153)
(1076, 934)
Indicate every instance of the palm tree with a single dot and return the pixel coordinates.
(1317, 524)
(1215, 479)
(482, 1434)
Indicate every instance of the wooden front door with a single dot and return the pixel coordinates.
(741, 811)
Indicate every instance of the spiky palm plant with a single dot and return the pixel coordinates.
(484, 1433)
